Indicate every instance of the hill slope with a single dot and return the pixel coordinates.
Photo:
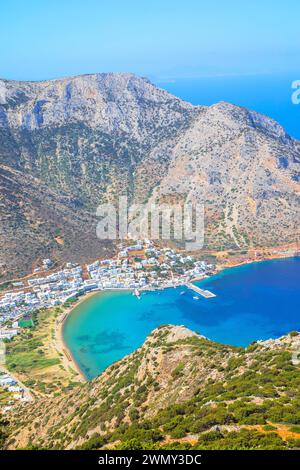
(92, 138)
(178, 389)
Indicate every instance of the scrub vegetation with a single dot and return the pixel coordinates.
(178, 391)
(32, 355)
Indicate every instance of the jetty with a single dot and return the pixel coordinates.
(205, 293)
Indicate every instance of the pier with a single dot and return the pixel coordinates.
(205, 293)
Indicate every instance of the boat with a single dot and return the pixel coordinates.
(136, 293)
(182, 292)
(195, 297)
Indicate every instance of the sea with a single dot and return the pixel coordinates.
(253, 302)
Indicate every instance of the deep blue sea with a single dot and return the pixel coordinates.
(270, 95)
(256, 301)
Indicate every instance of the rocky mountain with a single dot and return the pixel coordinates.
(177, 390)
(67, 145)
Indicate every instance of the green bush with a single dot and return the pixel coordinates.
(95, 442)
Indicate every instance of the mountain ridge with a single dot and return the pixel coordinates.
(177, 385)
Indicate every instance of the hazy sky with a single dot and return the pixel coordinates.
(158, 38)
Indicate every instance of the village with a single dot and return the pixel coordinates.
(142, 266)
(12, 391)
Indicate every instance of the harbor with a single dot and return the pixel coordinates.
(111, 324)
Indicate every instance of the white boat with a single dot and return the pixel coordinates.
(136, 293)
(195, 297)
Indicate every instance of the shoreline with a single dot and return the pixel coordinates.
(67, 356)
(60, 344)
(68, 360)
(286, 254)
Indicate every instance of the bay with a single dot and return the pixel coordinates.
(253, 302)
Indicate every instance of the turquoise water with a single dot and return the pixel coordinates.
(256, 301)
(268, 94)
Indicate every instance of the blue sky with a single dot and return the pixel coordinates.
(157, 38)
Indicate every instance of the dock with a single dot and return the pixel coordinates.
(205, 293)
